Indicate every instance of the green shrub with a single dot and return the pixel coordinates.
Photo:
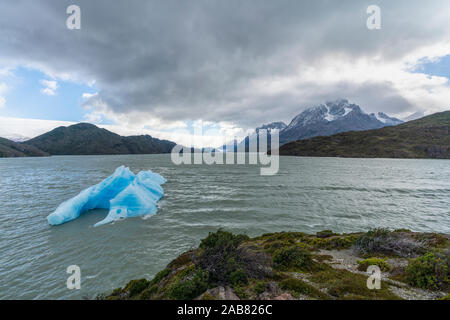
(293, 258)
(222, 239)
(430, 271)
(220, 257)
(402, 230)
(241, 292)
(238, 277)
(332, 243)
(341, 242)
(291, 237)
(260, 287)
(148, 294)
(364, 264)
(159, 276)
(135, 287)
(189, 286)
(272, 246)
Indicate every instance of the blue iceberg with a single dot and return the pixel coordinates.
(124, 194)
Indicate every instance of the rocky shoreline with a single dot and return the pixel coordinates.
(299, 266)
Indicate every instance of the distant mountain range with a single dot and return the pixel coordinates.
(331, 118)
(324, 120)
(428, 137)
(317, 131)
(84, 139)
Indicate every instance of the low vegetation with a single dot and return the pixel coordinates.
(189, 284)
(221, 259)
(295, 265)
(293, 258)
(430, 271)
(343, 284)
(298, 287)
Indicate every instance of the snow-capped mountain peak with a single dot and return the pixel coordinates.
(384, 118)
(327, 119)
(333, 117)
(329, 111)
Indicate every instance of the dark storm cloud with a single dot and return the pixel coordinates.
(179, 60)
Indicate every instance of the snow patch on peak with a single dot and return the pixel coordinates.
(338, 109)
(385, 119)
(328, 116)
(380, 118)
(347, 111)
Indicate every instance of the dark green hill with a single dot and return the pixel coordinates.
(88, 139)
(428, 137)
(10, 148)
(147, 145)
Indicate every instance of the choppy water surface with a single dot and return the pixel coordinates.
(308, 194)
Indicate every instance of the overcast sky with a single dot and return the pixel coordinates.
(159, 66)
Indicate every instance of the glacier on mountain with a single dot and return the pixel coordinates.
(384, 118)
(123, 193)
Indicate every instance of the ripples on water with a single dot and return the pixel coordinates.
(308, 194)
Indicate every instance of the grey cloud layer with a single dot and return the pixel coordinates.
(179, 60)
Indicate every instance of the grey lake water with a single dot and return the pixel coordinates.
(308, 194)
